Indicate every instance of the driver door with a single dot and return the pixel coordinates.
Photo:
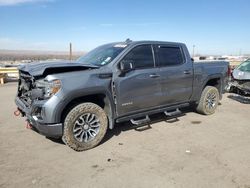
(139, 89)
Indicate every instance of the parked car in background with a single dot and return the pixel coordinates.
(240, 82)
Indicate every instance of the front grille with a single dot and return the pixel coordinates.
(25, 85)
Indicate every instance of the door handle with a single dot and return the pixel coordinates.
(154, 75)
(187, 72)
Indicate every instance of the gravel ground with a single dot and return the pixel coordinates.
(191, 151)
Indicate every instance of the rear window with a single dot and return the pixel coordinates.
(168, 56)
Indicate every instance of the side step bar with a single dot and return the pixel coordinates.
(173, 113)
(140, 121)
(143, 114)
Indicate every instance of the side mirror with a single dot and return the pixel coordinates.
(126, 65)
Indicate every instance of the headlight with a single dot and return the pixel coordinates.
(50, 87)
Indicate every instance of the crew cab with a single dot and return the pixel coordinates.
(80, 100)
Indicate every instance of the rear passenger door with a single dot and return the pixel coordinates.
(176, 74)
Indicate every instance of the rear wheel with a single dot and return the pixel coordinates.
(85, 126)
(209, 100)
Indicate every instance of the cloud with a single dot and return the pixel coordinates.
(7, 42)
(21, 44)
(145, 24)
(142, 24)
(17, 2)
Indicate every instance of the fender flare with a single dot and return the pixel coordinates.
(108, 100)
(210, 77)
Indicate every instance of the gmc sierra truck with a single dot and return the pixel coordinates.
(80, 100)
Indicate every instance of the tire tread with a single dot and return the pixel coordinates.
(200, 108)
(83, 107)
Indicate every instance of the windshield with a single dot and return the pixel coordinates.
(245, 66)
(102, 55)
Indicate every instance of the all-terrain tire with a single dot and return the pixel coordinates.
(209, 101)
(72, 117)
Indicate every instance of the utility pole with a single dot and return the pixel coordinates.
(193, 49)
(70, 51)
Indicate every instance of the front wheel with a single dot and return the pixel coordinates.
(209, 100)
(85, 126)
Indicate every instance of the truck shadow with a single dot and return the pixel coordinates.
(128, 126)
(239, 98)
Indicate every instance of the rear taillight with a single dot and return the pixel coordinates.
(229, 71)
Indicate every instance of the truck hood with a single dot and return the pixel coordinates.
(53, 67)
(241, 75)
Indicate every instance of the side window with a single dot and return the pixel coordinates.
(168, 56)
(141, 57)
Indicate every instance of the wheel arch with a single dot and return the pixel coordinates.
(212, 80)
(102, 99)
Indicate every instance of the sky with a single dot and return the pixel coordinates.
(215, 27)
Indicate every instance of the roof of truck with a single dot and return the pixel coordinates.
(151, 42)
(135, 43)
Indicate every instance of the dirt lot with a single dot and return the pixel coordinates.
(193, 151)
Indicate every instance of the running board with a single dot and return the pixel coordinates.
(137, 115)
(173, 113)
(140, 121)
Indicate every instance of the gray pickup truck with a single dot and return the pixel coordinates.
(124, 81)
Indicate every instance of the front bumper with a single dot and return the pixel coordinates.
(239, 87)
(39, 121)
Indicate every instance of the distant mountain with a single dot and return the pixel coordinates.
(32, 55)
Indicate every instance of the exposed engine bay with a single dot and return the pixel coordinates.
(33, 84)
(25, 86)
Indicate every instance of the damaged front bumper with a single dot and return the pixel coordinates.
(36, 116)
(240, 83)
(240, 87)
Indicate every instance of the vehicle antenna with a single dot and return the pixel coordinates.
(128, 40)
